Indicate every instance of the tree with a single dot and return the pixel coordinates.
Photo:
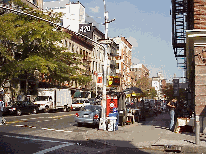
(144, 84)
(168, 91)
(29, 44)
(153, 93)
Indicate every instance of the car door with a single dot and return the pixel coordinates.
(27, 107)
(22, 107)
(30, 107)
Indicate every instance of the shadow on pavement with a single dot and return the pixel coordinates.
(16, 143)
(162, 120)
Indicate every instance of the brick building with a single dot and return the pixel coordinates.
(140, 71)
(189, 44)
(123, 62)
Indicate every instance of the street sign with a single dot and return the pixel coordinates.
(175, 87)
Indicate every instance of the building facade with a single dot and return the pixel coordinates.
(158, 83)
(123, 62)
(189, 43)
(140, 71)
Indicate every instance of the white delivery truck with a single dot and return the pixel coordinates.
(53, 99)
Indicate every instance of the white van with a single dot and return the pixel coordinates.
(77, 104)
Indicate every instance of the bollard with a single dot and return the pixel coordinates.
(197, 129)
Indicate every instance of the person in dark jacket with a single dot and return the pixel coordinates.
(1, 111)
(172, 105)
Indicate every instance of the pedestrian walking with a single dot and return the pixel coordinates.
(1, 111)
(172, 105)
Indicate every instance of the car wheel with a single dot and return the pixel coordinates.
(34, 111)
(46, 110)
(19, 112)
(79, 124)
(65, 109)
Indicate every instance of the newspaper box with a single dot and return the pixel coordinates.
(112, 123)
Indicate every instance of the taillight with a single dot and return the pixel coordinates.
(96, 116)
(71, 107)
(77, 115)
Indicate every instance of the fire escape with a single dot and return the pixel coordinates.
(182, 20)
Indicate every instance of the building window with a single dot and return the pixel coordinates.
(117, 65)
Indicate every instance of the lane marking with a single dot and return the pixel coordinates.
(59, 130)
(50, 129)
(54, 148)
(44, 128)
(36, 139)
(24, 119)
(19, 125)
(25, 126)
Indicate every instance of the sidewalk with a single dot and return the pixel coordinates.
(152, 134)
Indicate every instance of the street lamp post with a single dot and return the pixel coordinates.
(102, 124)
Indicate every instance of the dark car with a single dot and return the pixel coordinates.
(138, 115)
(89, 114)
(20, 107)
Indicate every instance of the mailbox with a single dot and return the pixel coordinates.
(111, 103)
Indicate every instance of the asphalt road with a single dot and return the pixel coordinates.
(53, 133)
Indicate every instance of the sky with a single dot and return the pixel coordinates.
(146, 24)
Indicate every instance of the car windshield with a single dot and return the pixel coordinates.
(91, 108)
(77, 102)
(18, 103)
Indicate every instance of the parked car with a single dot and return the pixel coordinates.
(139, 115)
(20, 107)
(89, 114)
(78, 104)
(92, 101)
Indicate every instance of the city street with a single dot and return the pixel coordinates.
(56, 133)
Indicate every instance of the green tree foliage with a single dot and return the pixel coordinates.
(144, 84)
(168, 91)
(152, 93)
(28, 44)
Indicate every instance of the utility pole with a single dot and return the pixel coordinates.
(102, 124)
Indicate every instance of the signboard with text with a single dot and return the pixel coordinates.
(175, 87)
(86, 29)
(99, 79)
(114, 81)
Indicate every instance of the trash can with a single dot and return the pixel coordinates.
(116, 114)
(113, 120)
(112, 123)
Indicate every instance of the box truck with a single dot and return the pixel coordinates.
(53, 99)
